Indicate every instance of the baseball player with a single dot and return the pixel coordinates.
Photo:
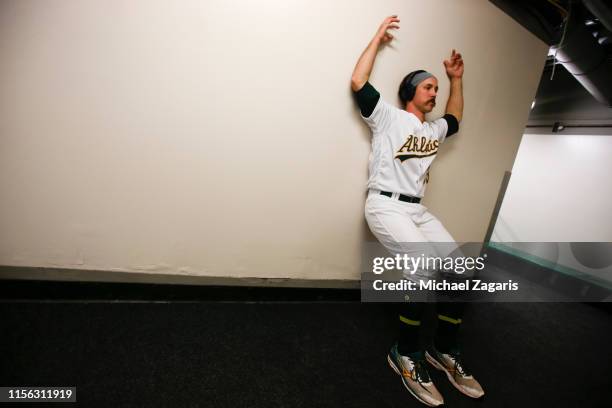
(404, 145)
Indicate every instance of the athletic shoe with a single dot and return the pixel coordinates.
(456, 372)
(415, 377)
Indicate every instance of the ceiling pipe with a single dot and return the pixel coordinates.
(601, 10)
(586, 60)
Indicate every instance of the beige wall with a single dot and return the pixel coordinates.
(220, 138)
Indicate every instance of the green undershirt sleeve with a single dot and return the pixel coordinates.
(367, 98)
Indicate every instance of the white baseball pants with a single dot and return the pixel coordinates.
(407, 228)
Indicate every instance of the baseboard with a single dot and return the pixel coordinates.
(56, 283)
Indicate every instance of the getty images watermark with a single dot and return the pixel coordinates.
(410, 265)
(486, 272)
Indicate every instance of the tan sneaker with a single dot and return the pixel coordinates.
(415, 377)
(455, 371)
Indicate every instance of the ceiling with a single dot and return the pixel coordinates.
(580, 35)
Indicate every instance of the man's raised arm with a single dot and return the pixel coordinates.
(454, 70)
(362, 70)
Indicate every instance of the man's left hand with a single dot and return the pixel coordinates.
(454, 66)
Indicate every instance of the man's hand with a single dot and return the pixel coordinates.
(362, 70)
(454, 66)
(389, 23)
(454, 70)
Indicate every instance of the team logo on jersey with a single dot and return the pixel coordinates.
(417, 147)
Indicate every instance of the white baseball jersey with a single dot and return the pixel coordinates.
(403, 148)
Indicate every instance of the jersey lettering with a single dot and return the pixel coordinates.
(416, 147)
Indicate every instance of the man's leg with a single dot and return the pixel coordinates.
(390, 221)
(450, 315)
(409, 322)
(446, 353)
(408, 360)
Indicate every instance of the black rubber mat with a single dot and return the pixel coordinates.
(295, 354)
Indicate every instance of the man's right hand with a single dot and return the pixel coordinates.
(362, 70)
(389, 23)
